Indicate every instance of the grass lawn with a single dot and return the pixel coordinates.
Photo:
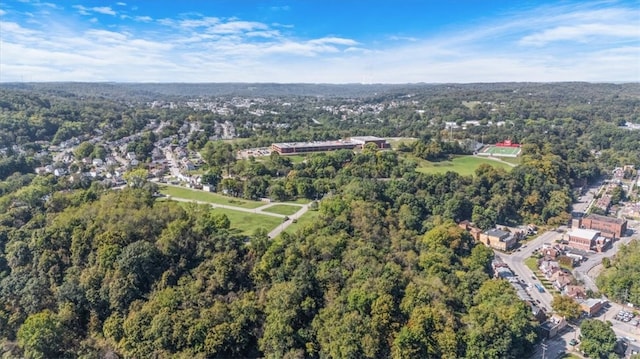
(295, 158)
(396, 141)
(300, 201)
(307, 218)
(181, 192)
(249, 222)
(532, 263)
(514, 160)
(283, 209)
(246, 222)
(464, 165)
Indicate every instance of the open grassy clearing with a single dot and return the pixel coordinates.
(215, 198)
(295, 158)
(514, 160)
(300, 201)
(396, 141)
(245, 222)
(283, 209)
(307, 218)
(249, 222)
(464, 165)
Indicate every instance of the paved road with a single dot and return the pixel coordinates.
(586, 201)
(276, 231)
(582, 272)
(515, 261)
(215, 205)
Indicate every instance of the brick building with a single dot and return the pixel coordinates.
(608, 226)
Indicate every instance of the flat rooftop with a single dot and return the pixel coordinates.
(497, 233)
(601, 218)
(316, 144)
(367, 138)
(583, 233)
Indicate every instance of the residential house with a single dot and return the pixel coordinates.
(574, 291)
(551, 253)
(561, 279)
(548, 268)
(471, 228)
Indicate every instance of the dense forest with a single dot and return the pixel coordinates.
(384, 271)
(90, 273)
(619, 279)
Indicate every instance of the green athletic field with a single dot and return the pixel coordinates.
(500, 151)
(464, 165)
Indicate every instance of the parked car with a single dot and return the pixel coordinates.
(573, 342)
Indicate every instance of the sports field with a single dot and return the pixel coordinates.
(464, 165)
(492, 150)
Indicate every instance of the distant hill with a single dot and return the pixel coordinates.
(155, 91)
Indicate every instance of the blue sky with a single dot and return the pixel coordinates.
(320, 41)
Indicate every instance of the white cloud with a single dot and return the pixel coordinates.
(334, 40)
(232, 27)
(121, 3)
(2, 12)
(143, 18)
(565, 43)
(106, 10)
(81, 9)
(582, 33)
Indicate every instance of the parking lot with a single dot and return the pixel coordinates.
(627, 317)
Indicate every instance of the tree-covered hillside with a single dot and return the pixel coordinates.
(123, 272)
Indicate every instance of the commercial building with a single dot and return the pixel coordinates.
(583, 239)
(609, 227)
(592, 306)
(288, 148)
(587, 240)
(498, 239)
